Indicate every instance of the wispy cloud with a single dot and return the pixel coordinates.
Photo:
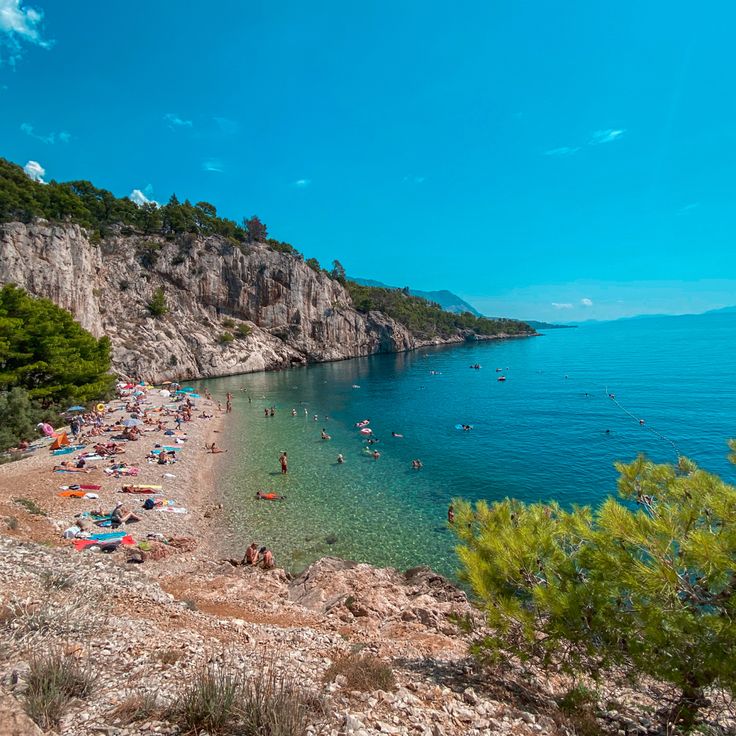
(139, 196)
(35, 171)
(562, 305)
(62, 136)
(226, 125)
(302, 183)
(689, 207)
(176, 121)
(415, 179)
(586, 302)
(212, 164)
(19, 25)
(608, 135)
(562, 151)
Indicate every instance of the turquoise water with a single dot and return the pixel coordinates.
(536, 436)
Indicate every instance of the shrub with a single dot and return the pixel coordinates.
(148, 253)
(226, 337)
(57, 580)
(242, 331)
(54, 679)
(649, 588)
(210, 702)
(157, 306)
(313, 263)
(18, 417)
(228, 322)
(30, 506)
(362, 671)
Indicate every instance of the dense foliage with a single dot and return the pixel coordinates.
(649, 584)
(46, 353)
(98, 210)
(427, 319)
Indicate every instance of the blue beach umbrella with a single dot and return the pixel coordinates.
(187, 390)
(77, 408)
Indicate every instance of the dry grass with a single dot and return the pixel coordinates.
(32, 622)
(55, 678)
(135, 708)
(169, 656)
(362, 671)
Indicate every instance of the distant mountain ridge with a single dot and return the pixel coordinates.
(446, 299)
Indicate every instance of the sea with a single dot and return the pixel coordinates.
(574, 402)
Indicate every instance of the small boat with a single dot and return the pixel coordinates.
(498, 370)
(502, 378)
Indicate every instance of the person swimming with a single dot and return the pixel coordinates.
(340, 459)
(324, 435)
(270, 496)
(396, 434)
(416, 464)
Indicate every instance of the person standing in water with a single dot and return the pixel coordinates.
(340, 459)
(284, 463)
(451, 514)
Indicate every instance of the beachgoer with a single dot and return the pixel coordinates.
(265, 412)
(213, 449)
(273, 412)
(451, 514)
(340, 459)
(266, 558)
(122, 515)
(270, 496)
(293, 412)
(251, 554)
(316, 417)
(324, 435)
(396, 434)
(376, 454)
(284, 463)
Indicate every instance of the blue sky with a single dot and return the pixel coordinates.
(545, 160)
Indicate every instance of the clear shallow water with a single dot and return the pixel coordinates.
(537, 436)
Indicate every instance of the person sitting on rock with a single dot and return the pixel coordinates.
(267, 558)
(251, 554)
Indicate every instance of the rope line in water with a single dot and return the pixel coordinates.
(641, 422)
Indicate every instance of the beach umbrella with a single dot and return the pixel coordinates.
(195, 396)
(132, 422)
(77, 408)
(187, 390)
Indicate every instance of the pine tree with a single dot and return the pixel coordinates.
(649, 583)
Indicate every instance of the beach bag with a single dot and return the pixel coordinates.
(149, 503)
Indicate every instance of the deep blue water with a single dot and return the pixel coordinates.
(535, 436)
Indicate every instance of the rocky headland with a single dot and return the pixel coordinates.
(229, 309)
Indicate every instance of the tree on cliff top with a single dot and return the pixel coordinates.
(652, 589)
(255, 230)
(45, 352)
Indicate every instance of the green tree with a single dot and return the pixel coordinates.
(313, 263)
(338, 272)
(43, 350)
(649, 583)
(18, 417)
(157, 306)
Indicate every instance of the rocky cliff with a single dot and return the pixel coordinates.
(215, 293)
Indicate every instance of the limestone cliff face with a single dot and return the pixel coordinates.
(294, 314)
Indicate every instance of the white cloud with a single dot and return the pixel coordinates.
(562, 305)
(608, 135)
(35, 171)
(212, 164)
(19, 24)
(586, 302)
(52, 137)
(227, 126)
(140, 198)
(301, 183)
(415, 179)
(689, 207)
(175, 121)
(562, 151)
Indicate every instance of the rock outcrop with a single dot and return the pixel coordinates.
(229, 311)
